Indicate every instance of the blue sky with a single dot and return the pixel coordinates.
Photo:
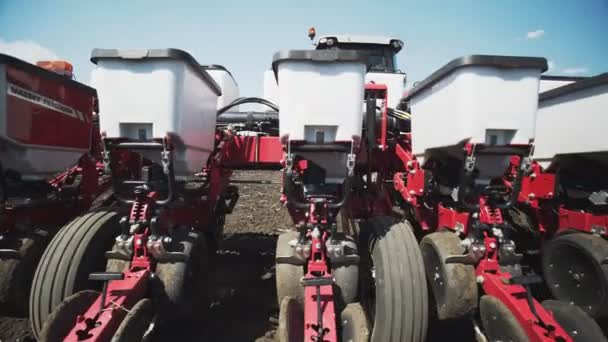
(243, 34)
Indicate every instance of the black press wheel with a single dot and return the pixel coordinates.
(394, 289)
(288, 275)
(61, 321)
(453, 285)
(573, 273)
(498, 322)
(577, 323)
(291, 320)
(354, 324)
(77, 250)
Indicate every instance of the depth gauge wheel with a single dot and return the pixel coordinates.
(453, 285)
(394, 289)
(577, 323)
(355, 326)
(182, 285)
(498, 321)
(291, 320)
(77, 250)
(288, 275)
(573, 273)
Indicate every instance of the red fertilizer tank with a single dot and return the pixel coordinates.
(45, 118)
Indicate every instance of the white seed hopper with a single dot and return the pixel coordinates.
(479, 99)
(227, 84)
(548, 82)
(319, 96)
(572, 120)
(151, 94)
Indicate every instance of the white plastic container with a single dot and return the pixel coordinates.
(478, 99)
(572, 120)
(548, 82)
(320, 94)
(150, 94)
(45, 120)
(227, 84)
(271, 89)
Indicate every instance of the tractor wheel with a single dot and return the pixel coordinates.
(288, 275)
(394, 289)
(182, 288)
(61, 321)
(355, 326)
(574, 274)
(77, 250)
(137, 323)
(453, 285)
(577, 323)
(498, 322)
(291, 320)
(16, 272)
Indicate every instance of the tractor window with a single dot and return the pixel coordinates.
(381, 58)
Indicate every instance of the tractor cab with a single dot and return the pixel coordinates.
(381, 51)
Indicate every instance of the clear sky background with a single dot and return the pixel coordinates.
(243, 34)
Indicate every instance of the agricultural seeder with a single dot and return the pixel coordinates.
(453, 172)
(149, 254)
(49, 170)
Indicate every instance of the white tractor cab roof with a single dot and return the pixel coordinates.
(382, 50)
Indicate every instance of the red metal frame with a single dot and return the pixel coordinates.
(410, 185)
(496, 283)
(537, 192)
(318, 268)
(100, 325)
(58, 212)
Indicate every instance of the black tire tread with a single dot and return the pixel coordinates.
(71, 255)
(401, 305)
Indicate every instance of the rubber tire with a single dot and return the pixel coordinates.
(354, 323)
(291, 321)
(77, 250)
(455, 291)
(594, 249)
(61, 321)
(287, 275)
(181, 298)
(498, 322)
(401, 295)
(136, 323)
(16, 274)
(577, 323)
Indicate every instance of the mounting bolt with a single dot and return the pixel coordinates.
(479, 279)
(475, 215)
(549, 195)
(492, 245)
(531, 196)
(412, 192)
(533, 176)
(317, 245)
